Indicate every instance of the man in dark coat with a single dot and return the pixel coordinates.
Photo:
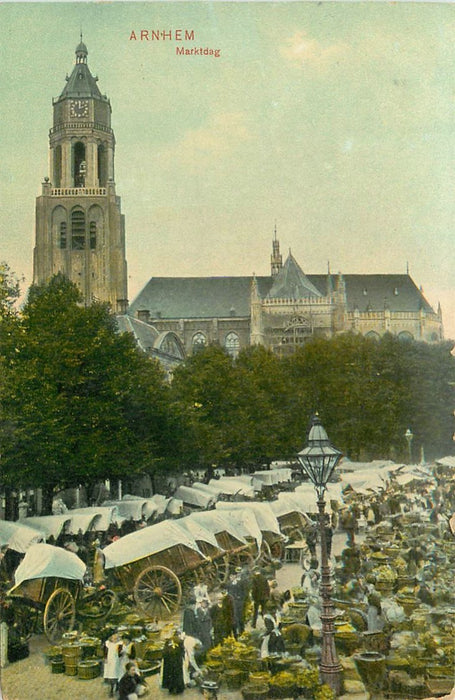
(238, 589)
(204, 625)
(260, 593)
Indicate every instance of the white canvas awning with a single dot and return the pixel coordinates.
(232, 486)
(244, 521)
(18, 536)
(134, 507)
(207, 488)
(44, 560)
(49, 525)
(104, 516)
(265, 517)
(195, 497)
(218, 522)
(148, 541)
(198, 531)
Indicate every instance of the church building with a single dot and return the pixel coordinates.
(285, 309)
(80, 231)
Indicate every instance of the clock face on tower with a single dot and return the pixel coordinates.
(79, 108)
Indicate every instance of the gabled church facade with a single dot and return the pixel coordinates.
(286, 309)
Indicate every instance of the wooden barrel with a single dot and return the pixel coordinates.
(71, 667)
(57, 666)
(71, 651)
(88, 669)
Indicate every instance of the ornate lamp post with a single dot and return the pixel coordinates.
(318, 460)
(409, 435)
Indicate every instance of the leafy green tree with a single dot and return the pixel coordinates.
(85, 404)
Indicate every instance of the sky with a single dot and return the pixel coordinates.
(333, 120)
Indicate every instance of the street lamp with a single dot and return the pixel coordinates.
(318, 460)
(409, 435)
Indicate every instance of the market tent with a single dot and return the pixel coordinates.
(195, 497)
(243, 520)
(232, 486)
(306, 497)
(134, 507)
(446, 462)
(217, 522)
(104, 516)
(18, 536)
(288, 503)
(271, 477)
(265, 517)
(80, 521)
(49, 525)
(207, 488)
(150, 540)
(364, 481)
(44, 560)
(174, 506)
(198, 531)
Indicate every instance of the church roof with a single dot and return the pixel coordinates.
(81, 82)
(222, 297)
(198, 297)
(292, 283)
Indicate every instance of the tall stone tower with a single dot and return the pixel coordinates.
(80, 230)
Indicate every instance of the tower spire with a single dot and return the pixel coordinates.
(276, 260)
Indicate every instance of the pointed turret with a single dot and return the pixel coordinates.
(276, 260)
(81, 82)
(292, 283)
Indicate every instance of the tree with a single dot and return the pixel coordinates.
(85, 404)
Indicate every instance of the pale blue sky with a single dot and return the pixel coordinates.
(334, 119)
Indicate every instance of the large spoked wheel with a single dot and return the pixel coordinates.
(59, 614)
(221, 566)
(98, 605)
(157, 592)
(240, 559)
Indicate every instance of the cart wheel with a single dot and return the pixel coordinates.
(242, 558)
(221, 566)
(97, 606)
(158, 592)
(59, 614)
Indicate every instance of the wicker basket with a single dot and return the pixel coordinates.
(88, 669)
(71, 667)
(57, 666)
(234, 678)
(255, 691)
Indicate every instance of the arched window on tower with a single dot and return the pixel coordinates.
(102, 166)
(57, 166)
(232, 344)
(92, 235)
(63, 231)
(79, 164)
(78, 230)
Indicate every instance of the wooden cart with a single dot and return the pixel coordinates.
(49, 585)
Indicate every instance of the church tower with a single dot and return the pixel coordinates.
(80, 230)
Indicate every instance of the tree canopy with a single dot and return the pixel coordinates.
(83, 403)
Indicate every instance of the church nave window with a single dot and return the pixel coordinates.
(78, 230)
(232, 344)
